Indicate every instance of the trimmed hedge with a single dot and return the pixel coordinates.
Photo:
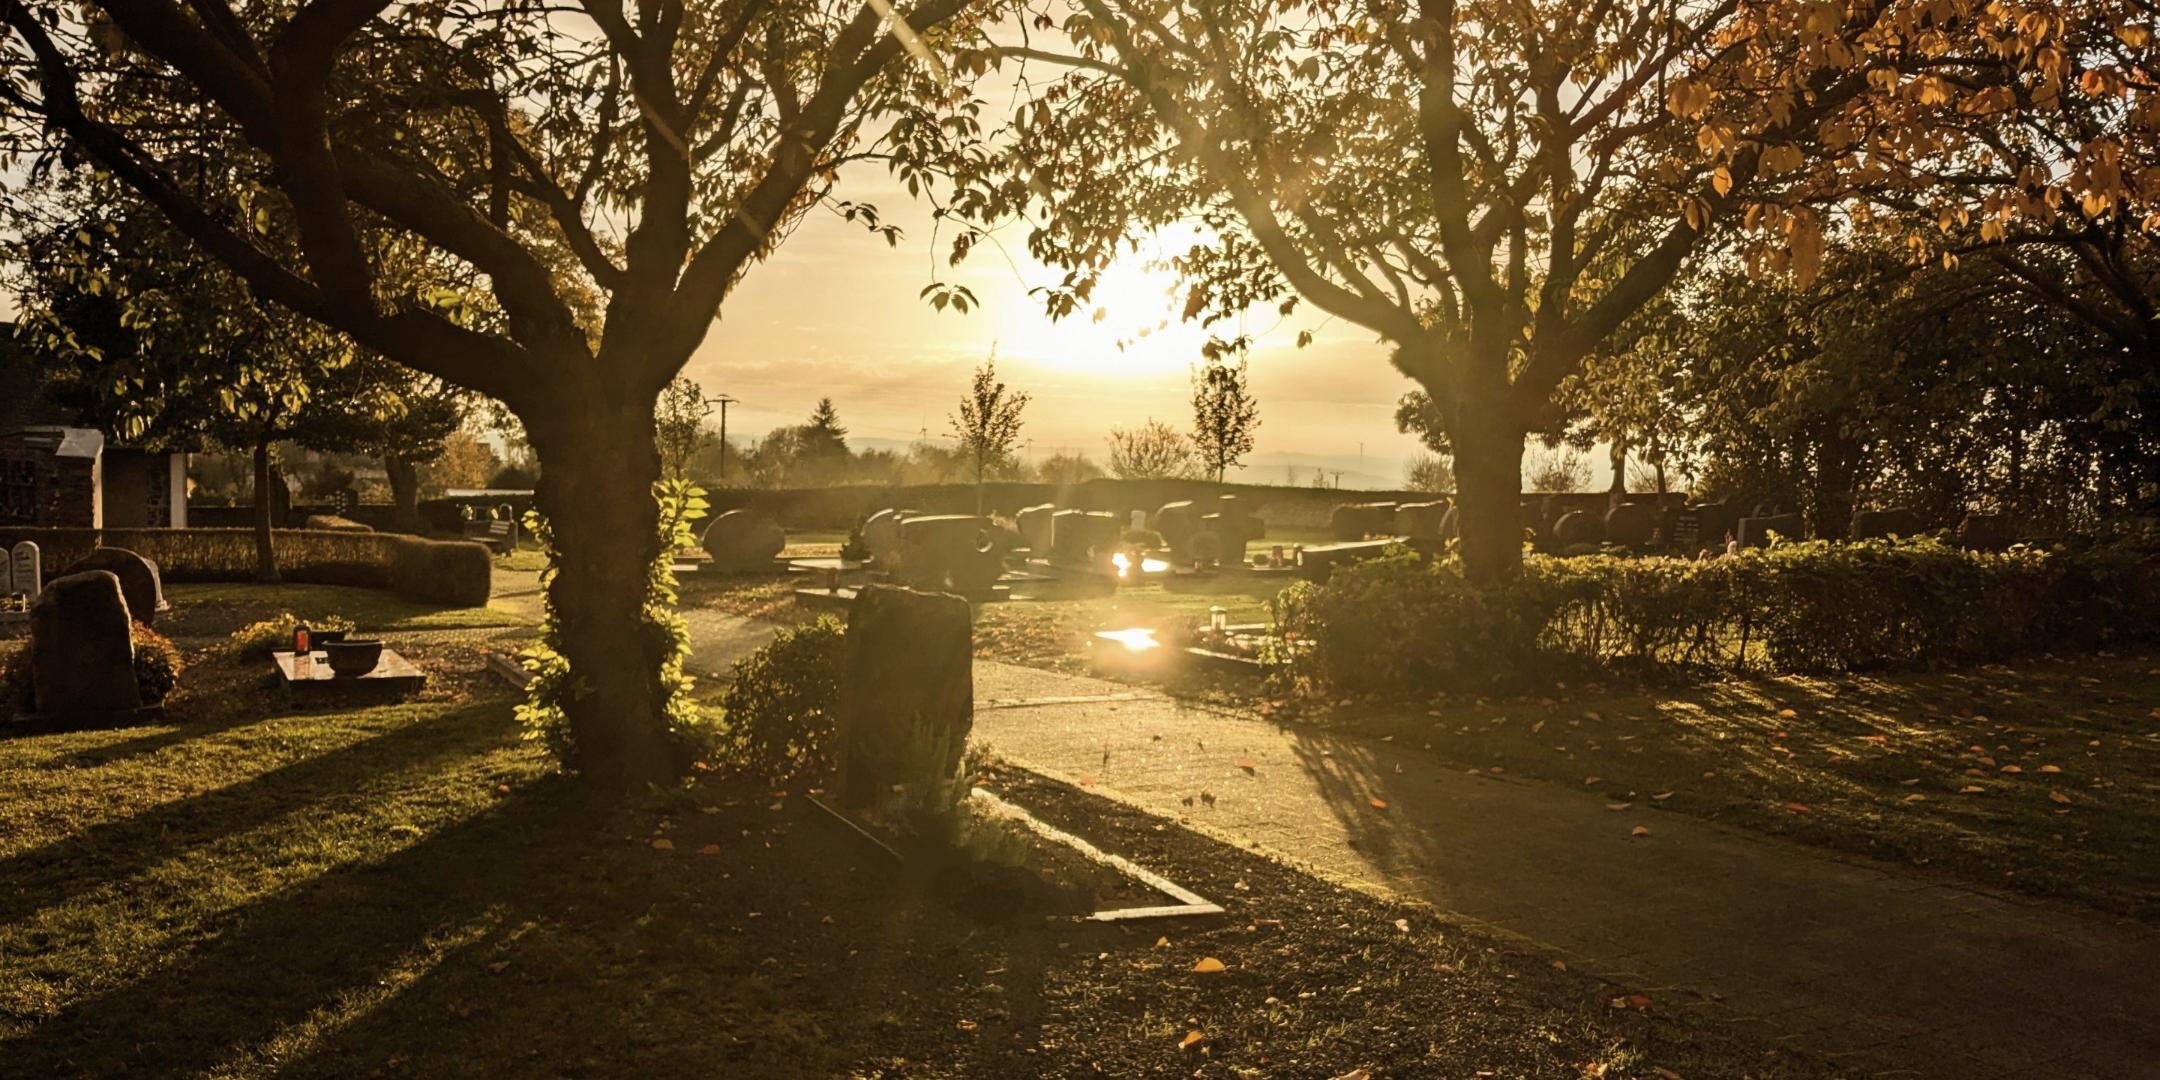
(435, 571)
(1401, 627)
(455, 572)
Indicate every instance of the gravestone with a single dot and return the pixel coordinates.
(957, 551)
(25, 569)
(881, 535)
(1755, 531)
(1878, 524)
(82, 664)
(1234, 528)
(1083, 538)
(1356, 521)
(138, 579)
(1987, 532)
(1178, 523)
(1684, 530)
(1577, 527)
(1034, 523)
(1632, 525)
(743, 540)
(907, 694)
(1421, 520)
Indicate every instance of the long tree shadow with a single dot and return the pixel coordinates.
(115, 851)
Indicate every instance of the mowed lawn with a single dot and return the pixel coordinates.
(2040, 777)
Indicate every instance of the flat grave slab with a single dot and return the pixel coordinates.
(392, 677)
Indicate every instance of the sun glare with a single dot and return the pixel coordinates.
(1129, 327)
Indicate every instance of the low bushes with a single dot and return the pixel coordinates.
(778, 713)
(257, 640)
(434, 571)
(1400, 626)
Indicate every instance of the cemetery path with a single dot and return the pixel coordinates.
(1895, 972)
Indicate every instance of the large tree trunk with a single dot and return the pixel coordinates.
(266, 568)
(1488, 490)
(598, 465)
(404, 493)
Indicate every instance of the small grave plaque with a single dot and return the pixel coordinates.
(392, 676)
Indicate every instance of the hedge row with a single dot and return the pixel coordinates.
(435, 571)
(1403, 627)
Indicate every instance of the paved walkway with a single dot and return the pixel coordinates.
(1896, 973)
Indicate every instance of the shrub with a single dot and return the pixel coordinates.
(1397, 626)
(778, 713)
(257, 640)
(157, 670)
(441, 571)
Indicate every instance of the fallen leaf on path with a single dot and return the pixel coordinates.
(2012, 769)
(1971, 789)
(663, 844)
(1559, 965)
(1247, 765)
(1591, 779)
(1208, 965)
(1798, 808)
(2050, 768)
(1162, 942)
(1616, 807)
(1191, 1039)
(1087, 780)
(709, 849)
(1788, 714)
(2057, 796)
(1915, 797)
(1639, 830)
(1662, 796)
(1355, 1074)
(967, 1025)
(1377, 803)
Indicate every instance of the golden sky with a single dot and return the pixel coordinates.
(836, 312)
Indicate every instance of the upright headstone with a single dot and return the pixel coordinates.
(1178, 523)
(743, 540)
(1034, 523)
(958, 551)
(1755, 531)
(82, 658)
(907, 694)
(1577, 527)
(1083, 538)
(1633, 525)
(138, 579)
(881, 535)
(1234, 527)
(1987, 532)
(1421, 520)
(1356, 521)
(1877, 524)
(25, 568)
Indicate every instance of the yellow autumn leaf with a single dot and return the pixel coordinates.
(1208, 965)
(1191, 1039)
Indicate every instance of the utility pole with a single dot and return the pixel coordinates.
(724, 401)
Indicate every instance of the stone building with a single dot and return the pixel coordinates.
(56, 472)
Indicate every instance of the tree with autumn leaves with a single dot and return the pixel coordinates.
(1494, 188)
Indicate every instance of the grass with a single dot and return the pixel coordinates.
(2042, 778)
(410, 890)
(202, 609)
